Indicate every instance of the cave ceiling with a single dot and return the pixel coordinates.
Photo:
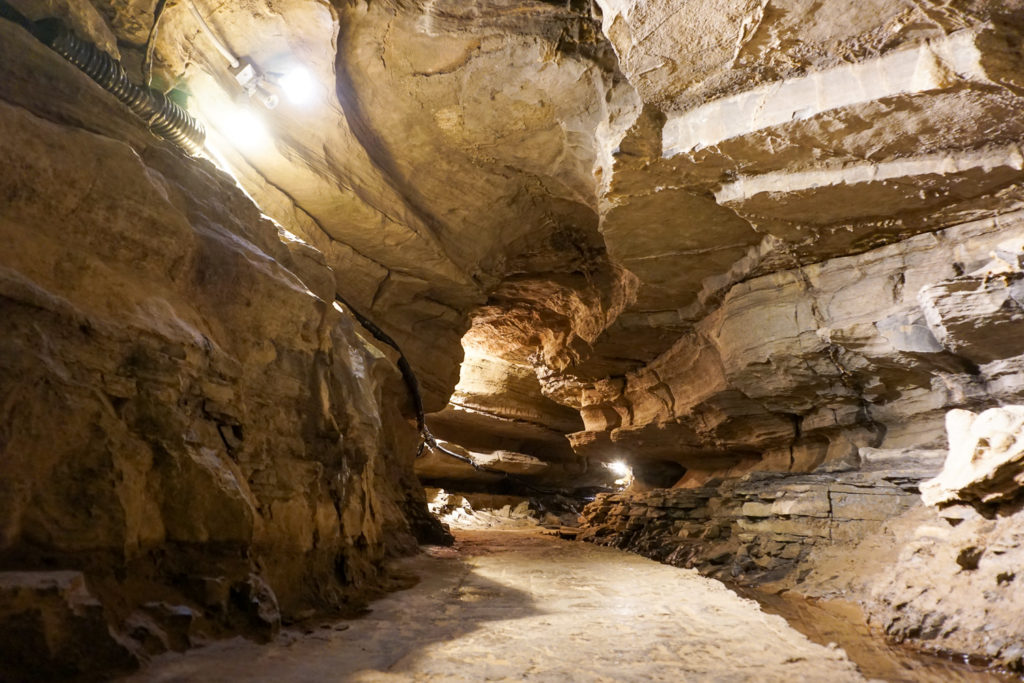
(573, 189)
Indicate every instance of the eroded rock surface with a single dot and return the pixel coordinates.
(206, 445)
(985, 465)
(713, 240)
(614, 195)
(761, 525)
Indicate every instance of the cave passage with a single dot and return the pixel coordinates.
(515, 605)
(731, 293)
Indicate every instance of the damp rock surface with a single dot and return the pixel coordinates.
(508, 605)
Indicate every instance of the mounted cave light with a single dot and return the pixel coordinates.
(297, 82)
(622, 471)
(298, 85)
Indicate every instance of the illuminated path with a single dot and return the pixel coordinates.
(515, 606)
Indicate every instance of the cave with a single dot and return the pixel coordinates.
(549, 340)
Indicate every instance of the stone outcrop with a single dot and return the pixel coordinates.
(497, 407)
(54, 629)
(433, 188)
(985, 465)
(761, 525)
(845, 356)
(822, 212)
(193, 442)
(944, 580)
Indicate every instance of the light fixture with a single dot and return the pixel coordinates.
(254, 84)
(298, 85)
(618, 468)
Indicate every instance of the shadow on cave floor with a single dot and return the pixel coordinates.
(518, 605)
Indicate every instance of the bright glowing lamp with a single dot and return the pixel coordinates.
(622, 471)
(619, 468)
(298, 85)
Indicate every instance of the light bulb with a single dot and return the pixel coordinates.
(298, 85)
(619, 468)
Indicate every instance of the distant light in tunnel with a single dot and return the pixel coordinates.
(298, 85)
(621, 470)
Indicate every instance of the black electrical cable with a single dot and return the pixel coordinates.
(411, 383)
(403, 366)
(165, 118)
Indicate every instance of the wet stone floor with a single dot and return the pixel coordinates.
(516, 605)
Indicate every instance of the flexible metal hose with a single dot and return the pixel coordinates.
(164, 117)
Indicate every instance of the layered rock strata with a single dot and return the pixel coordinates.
(613, 195)
(805, 366)
(943, 580)
(194, 441)
(761, 525)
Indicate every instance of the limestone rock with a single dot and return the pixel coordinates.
(484, 467)
(498, 406)
(757, 250)
(53, 628)
(184, 420)
(512, 463)
(985, 464)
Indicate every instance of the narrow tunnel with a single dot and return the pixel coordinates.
(602, 340)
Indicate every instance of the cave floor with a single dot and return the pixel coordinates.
(515, 605)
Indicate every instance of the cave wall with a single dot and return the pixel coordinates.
(821, 204)
(737, 238)
(800, 368)
(615, 195)
(817, 200)
(193, 442)
(942, 579)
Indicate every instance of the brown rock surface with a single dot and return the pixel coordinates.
(212, 446)
(756, 250)
(52, 628)
(638, 189)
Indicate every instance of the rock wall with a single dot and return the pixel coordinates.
(612, 195)
(804, 366)
(941, 579)
(760, 526)
(194, 442)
